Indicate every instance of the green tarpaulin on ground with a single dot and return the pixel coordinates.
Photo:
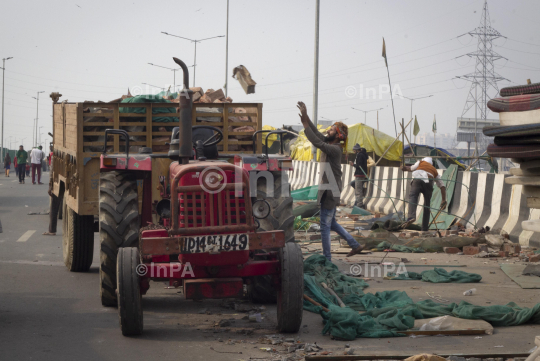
(149, 99)
(445, 219)
(388, 312)
(438, 275)
(383, 246)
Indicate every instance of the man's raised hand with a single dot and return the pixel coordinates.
(303, 112)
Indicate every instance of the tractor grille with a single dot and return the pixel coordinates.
(202, 209)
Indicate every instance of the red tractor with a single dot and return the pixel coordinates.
(224, 231)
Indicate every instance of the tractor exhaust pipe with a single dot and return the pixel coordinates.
(185, 146)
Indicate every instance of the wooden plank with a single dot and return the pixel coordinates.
(116, 125)
(176, 115)
(130, 133)
(132, 115)
(149, 127)
(105, 115)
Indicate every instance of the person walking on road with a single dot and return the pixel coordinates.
(22, 157)
(15, 165)
(36, 157)
(360, 174)
(330, 184)
(7, 164)
(424, 175)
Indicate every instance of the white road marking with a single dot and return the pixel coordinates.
(26, 236)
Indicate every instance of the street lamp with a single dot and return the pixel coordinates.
(173, 70)
(195, 42)
(367, 111)
(37, 116)
(3, 76)
(412, 100)
(40, 134)
(335, 120)
(155, 86)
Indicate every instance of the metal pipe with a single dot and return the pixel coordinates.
(185, 144)
(316, 73)
(226, 53)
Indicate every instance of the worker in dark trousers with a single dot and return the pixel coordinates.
(424, 175)
(360, 174)
(330, 183)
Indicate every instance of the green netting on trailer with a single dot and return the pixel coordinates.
(387, 313)
(438, 275)
(149, 99)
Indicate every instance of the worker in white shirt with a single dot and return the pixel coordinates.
(36, 156)
(424, 175)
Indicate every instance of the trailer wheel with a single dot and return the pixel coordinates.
(281, 205)
(129, 292)
(77, 240)
(61, 210)
(290, 297)
(118, 226)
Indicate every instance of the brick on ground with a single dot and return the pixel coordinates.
(470, 250)
(512, 248)
(534, 258)
(451, 250)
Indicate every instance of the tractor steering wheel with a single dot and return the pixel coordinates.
(214, 139)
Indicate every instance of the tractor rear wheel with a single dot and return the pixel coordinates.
(77, 240)
(281, 217)
(118, 226)
(281, 205)
(129, 292)
(291, 295)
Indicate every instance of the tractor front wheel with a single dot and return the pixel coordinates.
(291, 295)
(118, 226)
(129, 292)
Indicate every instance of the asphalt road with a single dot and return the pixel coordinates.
(48, 313)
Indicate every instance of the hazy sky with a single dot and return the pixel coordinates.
(95, 50)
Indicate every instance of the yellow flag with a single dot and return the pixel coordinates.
(384, 52)
(416, 129)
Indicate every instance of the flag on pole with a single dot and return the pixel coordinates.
(434, 129)
(384, 52)
(416, 129)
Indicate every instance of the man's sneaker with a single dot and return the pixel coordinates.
(357, 250)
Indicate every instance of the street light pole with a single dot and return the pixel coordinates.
(155, 86)
(316, 72)
(172, 69)
(412, 100)
(194, 41)
(367, 111)
(37, 118)
(227, 53)
(3, 82)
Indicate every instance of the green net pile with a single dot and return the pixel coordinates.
(438, 275)
(386, 313)
(149, 99)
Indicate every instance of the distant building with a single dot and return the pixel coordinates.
(444, 140)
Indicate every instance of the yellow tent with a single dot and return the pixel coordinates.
(374, 141)
(271, 139)
(369, 138)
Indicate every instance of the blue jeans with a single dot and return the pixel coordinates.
(328, 223)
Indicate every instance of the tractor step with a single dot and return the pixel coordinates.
(198, 289)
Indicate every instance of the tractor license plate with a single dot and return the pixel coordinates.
(216, 243)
